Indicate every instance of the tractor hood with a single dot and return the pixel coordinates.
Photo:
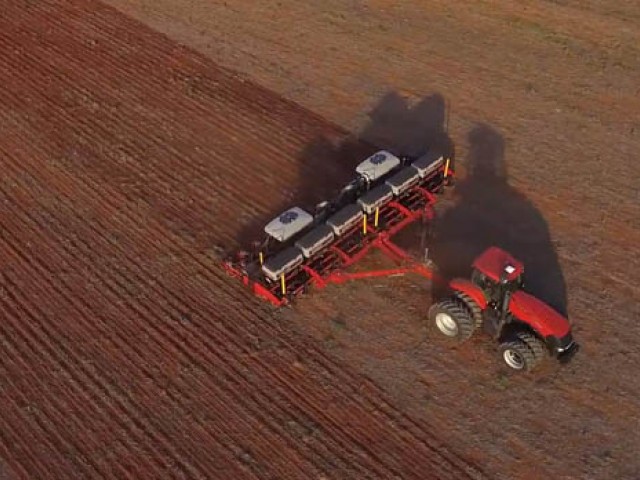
(540, 316)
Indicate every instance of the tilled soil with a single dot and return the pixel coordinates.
(127, 352)
(543, 105)
(127, 157)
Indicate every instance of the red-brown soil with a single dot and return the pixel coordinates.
(126, 350)
(127, 157)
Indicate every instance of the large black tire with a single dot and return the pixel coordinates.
(473, 307)
(523, 351)
(453, 319)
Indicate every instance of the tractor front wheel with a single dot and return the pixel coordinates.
(453, 319)
(523, 352)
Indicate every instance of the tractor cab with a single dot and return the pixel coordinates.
(497, 273)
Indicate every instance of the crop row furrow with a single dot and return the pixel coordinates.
(128, 48)
(82, 128)
(47, 415)
(22, 463)
(116, 354)
(117, 292)
(228, 119)
(102, 389)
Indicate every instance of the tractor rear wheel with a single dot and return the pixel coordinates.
(453, 319)
(473, 307)
(523, 352)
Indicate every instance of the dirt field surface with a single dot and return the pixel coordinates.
(126, 352)
(128, 155)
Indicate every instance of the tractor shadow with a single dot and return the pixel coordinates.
(325, 166)
(488, 211)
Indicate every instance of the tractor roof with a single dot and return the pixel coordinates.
(493, 261)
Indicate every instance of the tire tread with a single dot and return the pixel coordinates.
(528, 345)
(459, 312)
(474, 308)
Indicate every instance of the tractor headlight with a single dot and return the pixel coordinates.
(565, 343)
(566, 348)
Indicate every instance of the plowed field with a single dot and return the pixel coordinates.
(126, 158)
(126, 352)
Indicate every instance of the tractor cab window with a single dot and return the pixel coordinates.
(480, 279)
(494, 291)
(490, 288)
(518, 283)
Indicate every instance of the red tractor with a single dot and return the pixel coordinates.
(494, 299)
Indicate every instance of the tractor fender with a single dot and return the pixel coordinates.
(470, 289)
(538, 315)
